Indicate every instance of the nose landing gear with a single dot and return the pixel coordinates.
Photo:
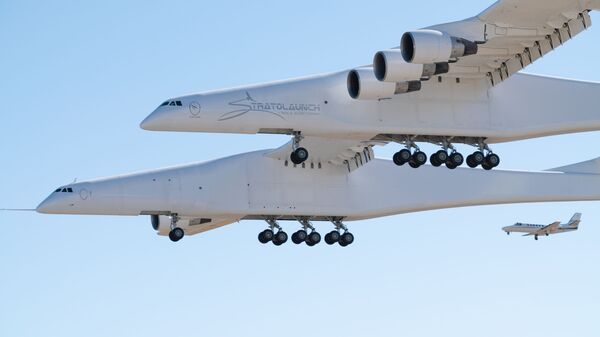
(299, 154)
(176, 233)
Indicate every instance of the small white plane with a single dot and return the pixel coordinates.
(448, 84)
(537, 230)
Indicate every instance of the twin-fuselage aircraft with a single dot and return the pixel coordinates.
(455, 85)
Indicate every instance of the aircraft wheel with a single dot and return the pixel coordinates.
(486, 166)
(492, 160)
(313, 238)
(478, 157)
(265, 236)
(299, 237)
(176, 234)
(346, 239)
(434, 160)
(450, 165)
(535, 237)
(456, 159)
(401, 157)
(419, 157)
(280, 238)
(332, 237)
(299, 156)
(470, 162)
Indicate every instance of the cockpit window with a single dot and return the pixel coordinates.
(70, 190)
(172, 103)
(57, 190)
(64, 190)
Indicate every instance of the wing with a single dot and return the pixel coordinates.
(348, 153)
(546, 229)
(515, 33)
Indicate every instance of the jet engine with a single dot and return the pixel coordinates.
(432, 46)
(362, 84)
(390, 66)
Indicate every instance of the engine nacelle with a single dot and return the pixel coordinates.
(390, 66)
(432, 46)
(362, 84)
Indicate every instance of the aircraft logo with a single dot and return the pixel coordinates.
(249, 104)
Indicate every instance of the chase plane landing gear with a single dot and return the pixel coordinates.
(176, 233)
(299, 154)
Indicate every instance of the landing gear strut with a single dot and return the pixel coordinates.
(415, 159)
(483, 156)
(299, 154)
(176, 233)
(334, 236)
(278, 238)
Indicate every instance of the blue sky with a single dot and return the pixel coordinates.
(78, 77)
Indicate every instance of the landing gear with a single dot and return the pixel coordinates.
(535, 237)
(402, 157)
(176, 233)
(278, 238)
(299, 236)
(334, 236)
(313, 238)
(415, 159)
(487, 161)
(299, 154)
(438, 158)
(454, 160)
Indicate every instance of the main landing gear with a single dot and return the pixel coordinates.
(484, 157)
(299, 154)
(176, 233)
(447, 155)
(414, 159)
(307, 234)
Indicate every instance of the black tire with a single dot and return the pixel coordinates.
(301, 154)
(492, 160)
(404, 155)
(397, 159)
(412, 164)
(486, 166)
(456, 159)
(478, 157)
(441, 156)
(176, 234)
(471, 162)
(294, 159)
(332, 237)
(434, 160)
(265, 236)
(313, 238)
(280, 238)
(450, 165)
(346, 239)
(299, 237)
(419, 157)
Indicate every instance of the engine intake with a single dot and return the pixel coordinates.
(390, 66)
(432, 46)
(362, 84)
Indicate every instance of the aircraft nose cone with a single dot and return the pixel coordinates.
(154, 122)
(49, 206)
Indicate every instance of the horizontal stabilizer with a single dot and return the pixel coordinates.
(589, 167)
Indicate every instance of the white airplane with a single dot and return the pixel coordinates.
(537, 230)
(447, 84)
